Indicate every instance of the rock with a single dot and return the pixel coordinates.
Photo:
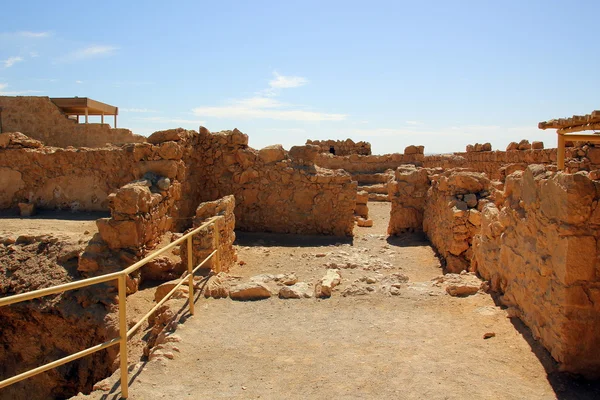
(164, 289)
(362, 210)
(512, 146)
(170, 150)
(296, 291)
(471, 200)
(324, 287)
(355, 290)
(218, 286)
(367, 223)
(163, 183)
(524, 145)
(362, 197)
(249, 291)
(271, 154)
(169, 135)
(489, 335)
(414, 150)
(486, 147)
(537, 145)
(461, 285)
(132, 198)
(304, 155)
(27, 209)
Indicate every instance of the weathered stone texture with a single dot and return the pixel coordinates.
(407, 193)
(205, 242)
(274, 191)
(540, 250)
(342, 147)
(39, 118)
(451, 214)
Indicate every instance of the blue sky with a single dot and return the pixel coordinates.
(438, 73)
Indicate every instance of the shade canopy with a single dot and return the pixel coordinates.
(84, 106)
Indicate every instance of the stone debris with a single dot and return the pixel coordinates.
(489, 335)
(460, 285)
(300, 290)
(324, 287)
(249, 291)
(365, 223)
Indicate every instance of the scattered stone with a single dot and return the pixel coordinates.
(366, 223)
(460, 285)
(488, 335)
(249, 291)
(296, 291)
(324, 287)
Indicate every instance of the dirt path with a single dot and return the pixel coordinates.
(420, 344)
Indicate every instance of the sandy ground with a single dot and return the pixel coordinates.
(420, 344)
(79, 225)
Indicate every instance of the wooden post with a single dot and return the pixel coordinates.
(86, 115)
(77, 118)
(115, 121)
(217, 240)
(560, 159)
(102, 118)
(123, 334)
(190, 266)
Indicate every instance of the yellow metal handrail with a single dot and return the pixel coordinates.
(121, 276)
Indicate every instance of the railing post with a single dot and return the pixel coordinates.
(217, 240)
(190, 266)
(123, 335)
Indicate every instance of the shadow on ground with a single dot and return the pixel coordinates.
(58, 214)
(287, 240)
(566, 386)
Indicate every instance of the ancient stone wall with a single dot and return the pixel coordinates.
(342, 147)
(41, 119)
(407, 193)
(540, 250)
(275, 190)
(205, 243)
(452, 214)
(499, 164)
(78, 179)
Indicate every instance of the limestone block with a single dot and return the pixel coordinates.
(271, 154)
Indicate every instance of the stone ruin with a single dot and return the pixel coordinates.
(342, 147)
(530, 231)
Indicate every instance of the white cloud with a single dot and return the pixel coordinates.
(264, 108)
(285, 82)
(33, 54)
(414, 122)
(90, 52)
(137, 110)
(14, 92)
(10, 61)
(79, 82)
(34, 34)
(165, 120)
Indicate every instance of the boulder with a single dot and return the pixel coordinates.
(132, 198)
(537, 145)
(365, 223)
(164, 289)
(249, 291)
(512, 146)
(298, 290)
(170, 150)
(412, 149)
(324, 287)
(524, 145)
(174, 135)
(271, 154)
(304, 155)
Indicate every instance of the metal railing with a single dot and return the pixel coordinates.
(121, 277)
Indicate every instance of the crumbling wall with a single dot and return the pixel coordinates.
(499, 164)
(452, 214)
(540, 250)
(342, 147)
(275, 190)
(371, 164)
(78, 179)
(407, 193)
(41, 119)
(205, 243)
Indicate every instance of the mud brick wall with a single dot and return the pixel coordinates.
(452, 214)
(342, 147)
(41, 119)
(407, 193)
(275, 190)
(540, 250)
